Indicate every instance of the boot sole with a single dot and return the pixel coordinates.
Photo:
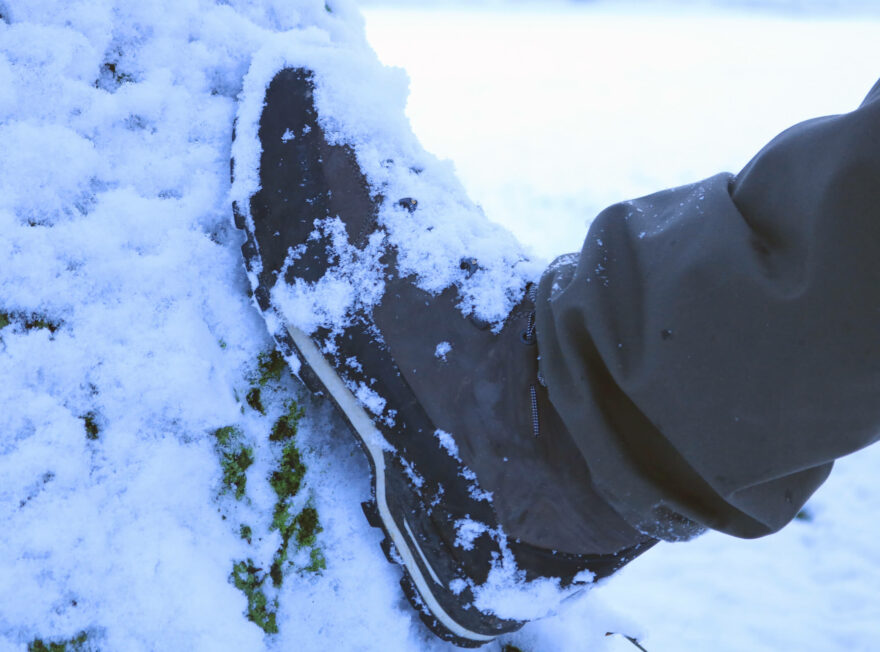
(419, 574)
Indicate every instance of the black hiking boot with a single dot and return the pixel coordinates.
(475, 479)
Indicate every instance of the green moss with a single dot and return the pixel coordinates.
(91, 425)
(261, 611)
(271, 365)
(110, 72)
(303, 530)
(317, 563)
(235, 464)
(235, 459)
(222, 343)
(281, 518)
(246, 533)
(118, 76)
(281, 521)
(76, 644)
(255, 400)
(36, 323)
(30, 322)
(226, 435)
(286, 426)
(276, 570)
(510, 648)
(307, 527)
(287, 480)
(327, 8)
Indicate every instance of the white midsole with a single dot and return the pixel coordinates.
(371, 437)
(412, 537)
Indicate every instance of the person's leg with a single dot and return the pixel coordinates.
(715, 347)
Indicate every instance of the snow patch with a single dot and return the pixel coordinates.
(412, 474)
(457, 586)
(369, 398)
(353, 281)
(467, 531)
(447, 442)
(442, 350)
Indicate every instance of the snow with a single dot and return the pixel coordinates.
(442, 350)
(354, 282)
(369, 398)
(115, 123)
(466, 532)
(447, 441)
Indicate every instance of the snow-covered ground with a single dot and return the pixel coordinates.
(128, 344)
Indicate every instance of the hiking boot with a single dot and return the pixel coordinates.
(476, 482)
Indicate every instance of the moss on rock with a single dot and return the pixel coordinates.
(271, 365)
(287, 479)
(254, 399)
(235, 459)
(30, 321)
(235, 465)
(260, 610)
(79, 643)
(91, 425)
(286, 426)
(307, 526)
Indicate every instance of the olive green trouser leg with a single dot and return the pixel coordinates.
(715, 347)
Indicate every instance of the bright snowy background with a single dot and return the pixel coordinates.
(115, 230)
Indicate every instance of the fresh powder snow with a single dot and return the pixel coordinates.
(442, 350)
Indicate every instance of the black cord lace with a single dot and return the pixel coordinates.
(533, 395)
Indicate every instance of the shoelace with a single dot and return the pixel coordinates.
(528, 337)
(536, 425)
